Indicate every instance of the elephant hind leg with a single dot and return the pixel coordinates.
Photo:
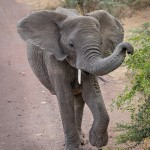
(79, 106)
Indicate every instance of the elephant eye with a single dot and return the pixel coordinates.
(71, 45)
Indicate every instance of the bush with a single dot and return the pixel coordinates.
(118, 8)
(136, 99)
(83, 6)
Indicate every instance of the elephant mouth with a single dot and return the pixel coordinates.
(71, 61)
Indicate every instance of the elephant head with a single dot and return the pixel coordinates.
(84, 41)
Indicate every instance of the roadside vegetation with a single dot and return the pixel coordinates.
(136, 96)
(118, 8)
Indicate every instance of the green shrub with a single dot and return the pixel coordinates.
(136, 97)
(118, 8)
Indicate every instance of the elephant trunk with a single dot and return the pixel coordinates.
(101, 66)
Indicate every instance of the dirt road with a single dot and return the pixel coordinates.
(29, 114)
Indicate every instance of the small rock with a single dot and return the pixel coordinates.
(22, 73)
(38, 134)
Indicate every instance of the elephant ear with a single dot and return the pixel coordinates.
(41, 28)
(111, 30)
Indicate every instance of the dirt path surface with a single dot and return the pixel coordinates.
(29, 114)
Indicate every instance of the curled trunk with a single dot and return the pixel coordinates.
(101, 66)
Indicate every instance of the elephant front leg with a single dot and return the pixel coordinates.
(92, 96)
(79, 106)
(66, 105)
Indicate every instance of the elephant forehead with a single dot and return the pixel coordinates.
(80, 21)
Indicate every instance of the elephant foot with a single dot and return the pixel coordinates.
(81, 136)
(98, 138)
(73, 145)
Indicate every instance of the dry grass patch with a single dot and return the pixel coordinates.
(42, 4)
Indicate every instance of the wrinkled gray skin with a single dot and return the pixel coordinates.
(60, 42)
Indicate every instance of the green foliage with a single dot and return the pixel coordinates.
(71, 3)
(84, 6)
(137, 4)
(118, 8)
(136, 98)
(91, 5)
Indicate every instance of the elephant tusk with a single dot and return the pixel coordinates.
(79, 76)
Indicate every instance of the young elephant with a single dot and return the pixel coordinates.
(62, 47)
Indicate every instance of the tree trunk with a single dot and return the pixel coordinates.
(80, 6)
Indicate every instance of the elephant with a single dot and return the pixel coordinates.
(67, 52)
